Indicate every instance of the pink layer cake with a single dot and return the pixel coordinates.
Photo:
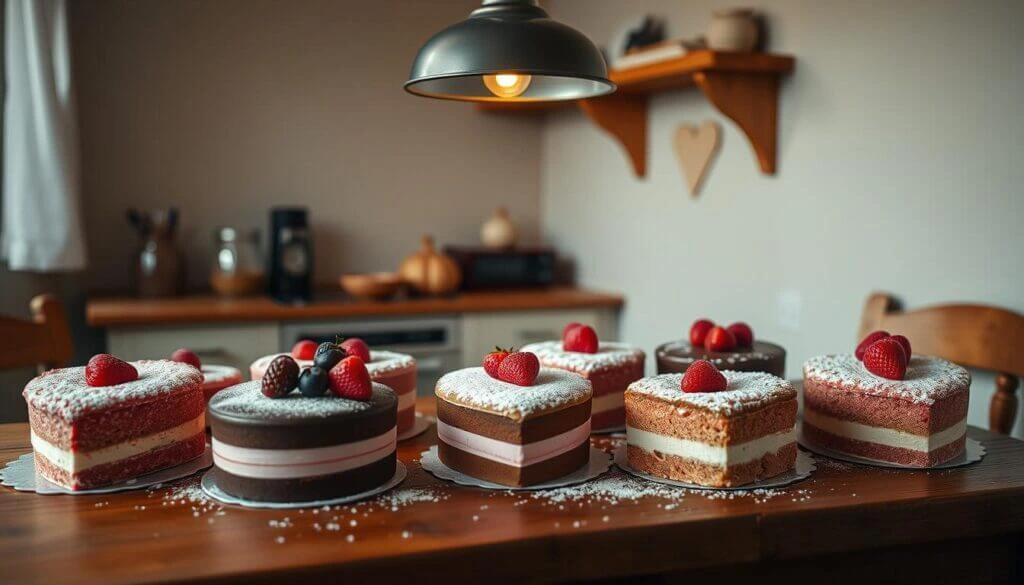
(86, 437)
(918, 421)
(217, 378)
(611, 370)
(395, 370)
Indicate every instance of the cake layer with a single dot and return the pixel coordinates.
(299, 463)
(514, 454)
(75, 461)
(609, 419)
(928, 379)
(510, 475)
(676, 356)
(553, 390)
(615, 381)
(217, 378)
(701, 473)
(308, 489)
(606, 402)
(666, 418)
(116, 471)
(918, 418)
(881, 452)
(714, 455)
(506, 430)
(610, 356)
(885, 436)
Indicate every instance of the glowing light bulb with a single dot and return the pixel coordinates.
(507, 85)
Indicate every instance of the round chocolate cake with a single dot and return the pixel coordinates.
(676, 356)
(301, 449)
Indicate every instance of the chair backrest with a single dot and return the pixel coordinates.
(976, 336)
(44, 342)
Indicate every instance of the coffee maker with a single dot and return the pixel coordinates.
(291, 255)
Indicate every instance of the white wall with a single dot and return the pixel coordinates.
(900, 169)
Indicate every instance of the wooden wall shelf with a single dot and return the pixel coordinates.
(743, 86)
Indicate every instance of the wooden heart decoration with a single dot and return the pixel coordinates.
(696, 148)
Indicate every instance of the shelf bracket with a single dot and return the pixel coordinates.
(624, 116)
(751, 100)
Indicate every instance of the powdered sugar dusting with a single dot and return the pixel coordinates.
(746, 392)
(65, 394)
(928, 378)
(386, 362)
(553, 388)
(609, 355)
(246, 400)
(214, 375)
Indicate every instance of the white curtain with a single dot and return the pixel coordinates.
(42, 226)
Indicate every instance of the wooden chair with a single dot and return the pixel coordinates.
(975, 336)
(44, 342)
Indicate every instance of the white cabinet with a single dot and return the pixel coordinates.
(233, 344)
(482, 331)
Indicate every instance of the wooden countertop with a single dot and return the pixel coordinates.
(446, 533)
(107, 312)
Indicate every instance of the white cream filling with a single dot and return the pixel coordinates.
(77, 461)
(607, 402)
(293, 463)
(885, 436)
(718, 455)
(513, 454)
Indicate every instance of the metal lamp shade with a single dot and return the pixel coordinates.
(515, 40)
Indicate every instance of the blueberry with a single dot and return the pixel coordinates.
(328, 358)
(313, 382)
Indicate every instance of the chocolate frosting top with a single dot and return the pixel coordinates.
(684, 353)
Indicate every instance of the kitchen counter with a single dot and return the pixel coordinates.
(126, 311)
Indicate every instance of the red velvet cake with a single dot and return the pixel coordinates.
(740, 434)
(512, 434)
(395, 370)
(919, 420)
(610, 370)
(90, 436)
(217, 378)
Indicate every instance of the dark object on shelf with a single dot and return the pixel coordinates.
(160, 267)
(650, 32)
(291, 255)
(484, 268)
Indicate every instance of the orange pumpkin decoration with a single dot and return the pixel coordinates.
(429, 271)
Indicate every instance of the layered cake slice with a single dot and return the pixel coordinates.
(711, 428)
(272, 444)
(728, 348)
(610, 368)
(112, 421)
(522, 432)
(908, 412)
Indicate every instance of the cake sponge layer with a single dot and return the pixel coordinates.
(701, 473)
(658, 416)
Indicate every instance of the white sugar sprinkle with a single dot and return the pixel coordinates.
(474, 388)
(609, 355)
(746, 392)
(927, 379)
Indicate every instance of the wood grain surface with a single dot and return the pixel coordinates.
(468, 534)
(105, 312)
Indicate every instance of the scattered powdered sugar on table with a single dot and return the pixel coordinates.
(928, 378)
(247, 400)
(65, 394)
(610, 354)
(472, 387)
(746, 392)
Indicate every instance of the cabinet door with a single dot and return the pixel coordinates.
(482, 331)
(236, 345)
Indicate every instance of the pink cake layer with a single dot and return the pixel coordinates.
(128, 468)
(403, 383)
(879, 452)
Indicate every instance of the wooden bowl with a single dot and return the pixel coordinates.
(372, 285)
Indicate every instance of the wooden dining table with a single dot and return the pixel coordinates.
(846, 523)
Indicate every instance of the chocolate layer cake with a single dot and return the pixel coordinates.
(918, 421)
(718, 439)
(90, 436)
(676, 356)
(614, 367)
(217, 378)
(513, 435)
(299, 449)
(395, 370)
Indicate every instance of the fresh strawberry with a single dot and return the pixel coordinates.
(493, 360)
(868, 340)
(570, 327)
(905, 343)
(304, 350)
(699, 331)
(357, 347)
(703, 376)
(886, 358)
(104, 369)
(519, 368)
(743, 333)
(281, 377)
(350, 379)
(187, 356)
(581, 339)
(719, 339)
